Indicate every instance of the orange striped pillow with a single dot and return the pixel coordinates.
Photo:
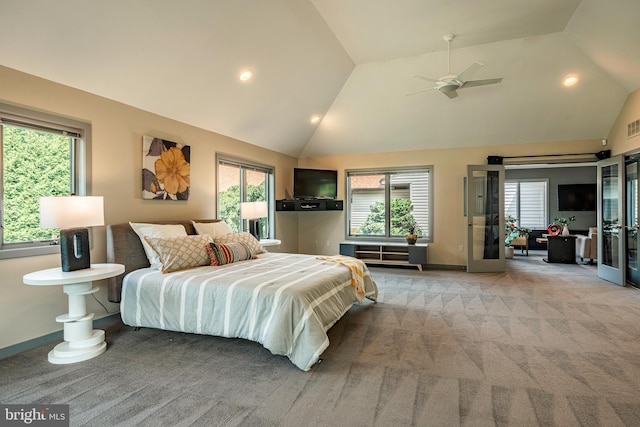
(221, 254)
(243, 237)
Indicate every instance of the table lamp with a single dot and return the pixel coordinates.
(72, 215)
(253, 211)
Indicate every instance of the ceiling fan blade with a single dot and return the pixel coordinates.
(470, 71)
(420, 91)
(451, 94)
(473, 83)
(417, 76)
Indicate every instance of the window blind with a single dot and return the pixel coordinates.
(527, 200)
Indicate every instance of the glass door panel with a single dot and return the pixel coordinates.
(631, 223)
(611, 216)
(485, 215)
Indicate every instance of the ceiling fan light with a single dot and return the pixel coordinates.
(448, 88)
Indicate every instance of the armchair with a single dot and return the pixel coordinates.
(587, 246)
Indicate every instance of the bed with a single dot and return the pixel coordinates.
(286, 302)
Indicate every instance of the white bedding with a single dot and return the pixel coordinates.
(286, 302)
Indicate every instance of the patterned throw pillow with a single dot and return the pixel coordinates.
(222, 254)
(244, 237)
(178, 253)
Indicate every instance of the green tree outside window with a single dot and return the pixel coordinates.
(35, 164)
(402, 220)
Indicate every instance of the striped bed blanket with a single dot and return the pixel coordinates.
(286, 302)
(357, 269)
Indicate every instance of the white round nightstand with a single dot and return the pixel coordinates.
(81, 341)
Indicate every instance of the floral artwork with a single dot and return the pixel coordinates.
(166, 169)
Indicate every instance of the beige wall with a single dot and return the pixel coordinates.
(618, 142)
(28, 312)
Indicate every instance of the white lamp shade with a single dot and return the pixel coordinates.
(71, 211)
(253, 210)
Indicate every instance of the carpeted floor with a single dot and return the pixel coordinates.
(539, 345)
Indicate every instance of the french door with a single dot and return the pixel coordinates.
(631, 223)
(485, 218)
(611, 220)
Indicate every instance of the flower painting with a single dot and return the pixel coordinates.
(166, 169)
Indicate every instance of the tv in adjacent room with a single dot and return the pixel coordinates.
(310, 184)
(577, 197)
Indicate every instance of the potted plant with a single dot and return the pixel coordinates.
(564, 222)
(413, 231)
(512, 232)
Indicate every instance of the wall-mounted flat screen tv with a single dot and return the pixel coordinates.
(577, 197)
(309, 184)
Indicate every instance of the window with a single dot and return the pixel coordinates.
(385, 203)
(41, 155)
(527, 200)
(241, 181)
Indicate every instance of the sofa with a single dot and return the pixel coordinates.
(587, 246)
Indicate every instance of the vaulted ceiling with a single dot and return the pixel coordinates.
(347, 61)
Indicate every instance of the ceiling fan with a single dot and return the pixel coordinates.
(450, 83)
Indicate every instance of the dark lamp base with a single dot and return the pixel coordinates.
(254, 228)
(74, 249)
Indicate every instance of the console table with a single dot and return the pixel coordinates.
(387, 253)
(81, 341)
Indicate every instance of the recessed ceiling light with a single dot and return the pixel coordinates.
(315, 119)
(570, 80)
(246, 75)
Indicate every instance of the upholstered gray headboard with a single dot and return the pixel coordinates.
(124, 247)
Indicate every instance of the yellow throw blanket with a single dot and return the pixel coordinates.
(356, 267)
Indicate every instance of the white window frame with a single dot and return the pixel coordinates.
(81, 167)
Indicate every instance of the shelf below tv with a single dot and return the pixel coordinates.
(309, 205)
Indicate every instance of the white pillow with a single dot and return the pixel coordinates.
(156, 230)
(212, 228)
